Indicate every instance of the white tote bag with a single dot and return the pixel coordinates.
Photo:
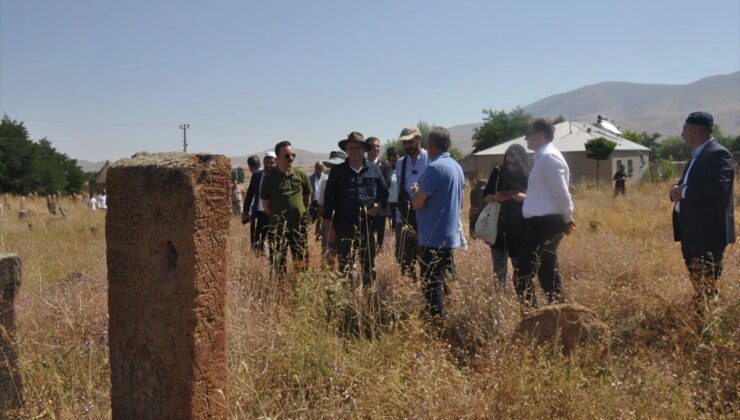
(486, 227)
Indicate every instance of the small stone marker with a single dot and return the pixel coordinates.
(166, 230)
(567, 326)
(11, 387)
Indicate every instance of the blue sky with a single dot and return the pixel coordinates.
(104, 79)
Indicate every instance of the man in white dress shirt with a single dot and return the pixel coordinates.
(548, 214)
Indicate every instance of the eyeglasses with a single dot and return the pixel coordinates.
(513, 163)
(290, 156)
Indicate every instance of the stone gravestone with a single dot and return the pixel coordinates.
(11, 387)
(566, 326)
(166, 230)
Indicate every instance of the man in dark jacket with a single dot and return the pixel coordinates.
(703, 219)
(253, 212)
(355, 193)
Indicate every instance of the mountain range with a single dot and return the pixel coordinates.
(654, 108)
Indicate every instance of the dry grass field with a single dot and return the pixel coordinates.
(292, 354)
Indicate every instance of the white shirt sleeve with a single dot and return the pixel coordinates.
(320, 190)
(558, 185)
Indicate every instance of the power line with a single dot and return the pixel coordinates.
(184, 128)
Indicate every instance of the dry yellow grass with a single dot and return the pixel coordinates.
(288, 355)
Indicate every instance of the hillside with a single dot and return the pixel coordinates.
(632, 106)
(637, 106)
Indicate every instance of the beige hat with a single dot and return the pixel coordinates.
(409, 133)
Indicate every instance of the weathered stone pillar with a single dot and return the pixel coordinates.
(166, 230)
(11, 387)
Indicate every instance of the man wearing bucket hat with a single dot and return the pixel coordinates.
(703, 219)
(408, 172)
(355, 193)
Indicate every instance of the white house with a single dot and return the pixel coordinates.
(570, 138)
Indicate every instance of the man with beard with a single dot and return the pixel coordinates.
(703, 216)
(409, 171)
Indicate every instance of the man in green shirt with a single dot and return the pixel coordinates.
(286, 194)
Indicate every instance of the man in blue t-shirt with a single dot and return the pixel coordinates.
(437, 200)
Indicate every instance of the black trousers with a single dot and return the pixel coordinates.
(436, 264)
(283, 239)
(393, 208)
(710, 259)
(352, 245)
(705, 268)
(407, 249)
(539, 255)
(377, 227)
(258, 231)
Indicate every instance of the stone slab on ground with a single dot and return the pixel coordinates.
(568, 325)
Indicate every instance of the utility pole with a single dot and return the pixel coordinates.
(184, 128)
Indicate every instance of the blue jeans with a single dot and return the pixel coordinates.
(500, 269)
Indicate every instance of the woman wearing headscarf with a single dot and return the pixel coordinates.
(508, 185)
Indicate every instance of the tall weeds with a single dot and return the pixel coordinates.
(319, 350)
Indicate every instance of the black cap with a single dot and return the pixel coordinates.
(701, 118)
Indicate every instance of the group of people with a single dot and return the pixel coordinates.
(99, 201)
(536, 211)
(421, 194)
(352, 205)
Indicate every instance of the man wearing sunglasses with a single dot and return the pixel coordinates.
(548, 214)
(286, 195)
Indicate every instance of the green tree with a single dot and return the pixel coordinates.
(671, 149)
(425, 128)
(599, 149)
(27, 166)
(500, 126)
(240, 175)
(75, 177)
(648, 140)
(732, 144)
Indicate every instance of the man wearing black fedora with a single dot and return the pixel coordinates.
(355, 192)
(703, 219)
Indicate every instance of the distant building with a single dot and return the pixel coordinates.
(570, 139)
(97, 183)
